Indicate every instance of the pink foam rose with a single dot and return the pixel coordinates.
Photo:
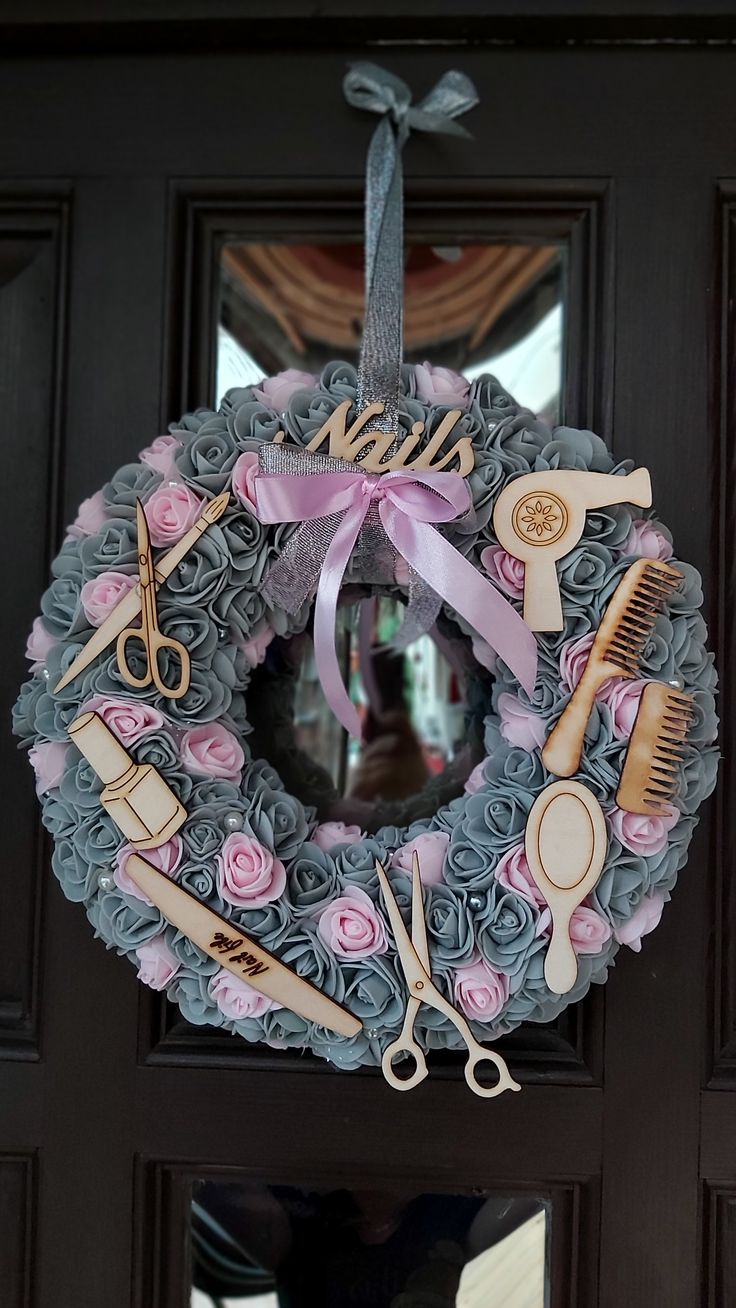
(476, 781)
(211, 750)
(128, 719)
(157, 963)
(431, 850)
(166, 858)
(237, 999)
(48, 760)
(160, 455)
(90, 518)
(645, 540)
(329, 834)
(641, 834)
(101, 594)
(255, 648)
(39, 644)
(512, 871)
(480, 991)
(351, 927)
(248, 874)
(245, 472)
(275, 392)
(440, 385)
(519, 725)
(643, 920)
(504, 569)
(170, 512)
(622, 698)
(589, 932)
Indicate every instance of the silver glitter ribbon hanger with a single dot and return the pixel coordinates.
(368, 87)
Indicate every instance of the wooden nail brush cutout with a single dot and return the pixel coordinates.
(617, 650)
(566, 845)
(651, 772)
(540, 517)
(234, 950)
(414, 956)
(129, 607)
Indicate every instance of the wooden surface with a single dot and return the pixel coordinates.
(565, 843)
(539, 518)
(619, 643)
(630, 167)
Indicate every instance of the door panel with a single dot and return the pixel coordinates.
(150, 163)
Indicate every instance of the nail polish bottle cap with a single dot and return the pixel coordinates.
(100, 747)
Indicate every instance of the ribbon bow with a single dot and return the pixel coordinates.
(333, 500)
(366, 86)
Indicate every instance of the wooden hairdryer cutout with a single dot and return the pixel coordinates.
(130, 606)
(617, 650)
(566, 845)
(651, 772)
(136, 796)
(540, 517)
(234, 950)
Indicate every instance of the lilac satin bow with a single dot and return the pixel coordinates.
(408, 504)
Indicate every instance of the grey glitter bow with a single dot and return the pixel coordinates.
(366, 86)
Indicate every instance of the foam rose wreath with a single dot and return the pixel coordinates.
(289, 873)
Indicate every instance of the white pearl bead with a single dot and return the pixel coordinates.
(233, 821)
(106, 880)
(475, 901)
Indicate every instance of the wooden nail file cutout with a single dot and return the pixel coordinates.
(652, 769)
(234, 950)
(617, 651)
(540, 517)
(566, 845)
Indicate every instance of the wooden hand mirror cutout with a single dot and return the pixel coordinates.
(566, 845)
(540, 517)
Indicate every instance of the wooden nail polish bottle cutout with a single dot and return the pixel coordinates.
(136, 796)
(566, 845)
(654, 756)
(540, 517)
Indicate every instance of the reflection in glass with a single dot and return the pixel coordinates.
(472, 307)
(283, 1247)
(422, 713)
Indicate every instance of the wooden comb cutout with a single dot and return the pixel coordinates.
(617, 651)
(565, 844)
(652, 769)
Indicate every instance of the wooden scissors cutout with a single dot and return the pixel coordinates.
(414, 956)
(149, 633)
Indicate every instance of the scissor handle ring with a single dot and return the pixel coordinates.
(125, 669)
(399, 1048)
(479, 1054)
(159, 642)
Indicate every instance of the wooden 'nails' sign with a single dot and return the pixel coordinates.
(348, 443)
(540, 517)
(566, 845)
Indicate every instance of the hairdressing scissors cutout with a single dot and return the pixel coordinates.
(414, 956)
(149, 633)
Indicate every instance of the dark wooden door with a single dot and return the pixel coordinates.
(128, 152)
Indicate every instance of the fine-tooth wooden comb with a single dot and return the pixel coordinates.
(651, 772)
(617, 650)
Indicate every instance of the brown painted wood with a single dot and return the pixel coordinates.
(625, 153)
